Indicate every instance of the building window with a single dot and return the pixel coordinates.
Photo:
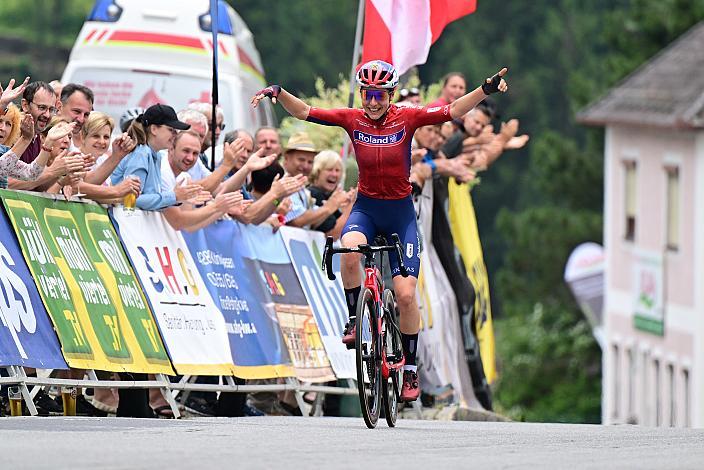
(673, 207)
(630, 200)
(686, 399)
(658, 394)
(632, 419)
(673, 397)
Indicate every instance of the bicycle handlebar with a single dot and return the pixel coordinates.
(365, 249)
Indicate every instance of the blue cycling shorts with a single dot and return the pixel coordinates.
(374, 217)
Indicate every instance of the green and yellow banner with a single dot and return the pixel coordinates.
(463, 224)
(87, 285)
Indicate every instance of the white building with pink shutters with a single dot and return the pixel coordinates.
(653, 354)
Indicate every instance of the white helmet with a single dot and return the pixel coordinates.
(377, 74)
(128, 116)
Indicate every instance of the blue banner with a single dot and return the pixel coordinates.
(325, 297)
(296, 321)
(27, 337)
(233, 278)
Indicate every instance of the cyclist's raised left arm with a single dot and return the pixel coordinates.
(466, 103)
(292, 104)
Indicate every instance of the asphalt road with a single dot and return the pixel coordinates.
(286, 442)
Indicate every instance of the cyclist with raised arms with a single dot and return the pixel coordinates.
(381, 134)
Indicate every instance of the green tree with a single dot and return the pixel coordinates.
(303, 40)
(550, 364)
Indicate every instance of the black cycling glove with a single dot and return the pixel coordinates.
(491, 85)
(272, 91)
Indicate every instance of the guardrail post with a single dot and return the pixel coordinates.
(18, 372)
(166, 392)
(302, 405)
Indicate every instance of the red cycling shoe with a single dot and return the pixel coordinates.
(348, 336)
(411, 387)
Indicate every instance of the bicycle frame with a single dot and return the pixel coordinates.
(373, 364)
(373, 280)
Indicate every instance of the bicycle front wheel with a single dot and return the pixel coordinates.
(391, 389)
(368, 358)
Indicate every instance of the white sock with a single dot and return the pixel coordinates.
(412, 368)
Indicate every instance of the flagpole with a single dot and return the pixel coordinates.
(357, 48)
(355, 59)
(214, 24)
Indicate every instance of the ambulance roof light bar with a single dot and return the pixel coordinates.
(106, 11)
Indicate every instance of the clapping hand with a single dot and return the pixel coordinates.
(75, 162)
(284, 206)
(231, 151)
(187, 192)
(225, 202)
(58, 132)
(256, 162)
(122, 146)
(27, 127)
(9, 94)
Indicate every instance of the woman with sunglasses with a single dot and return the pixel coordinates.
(381, 134)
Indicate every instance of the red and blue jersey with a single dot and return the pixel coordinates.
(383, 147)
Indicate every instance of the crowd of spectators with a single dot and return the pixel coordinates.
(52, 140)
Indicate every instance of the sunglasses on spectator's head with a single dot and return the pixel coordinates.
(375, 93)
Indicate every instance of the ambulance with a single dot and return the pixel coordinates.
(136, 53)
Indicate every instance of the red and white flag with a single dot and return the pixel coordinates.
(401, 31)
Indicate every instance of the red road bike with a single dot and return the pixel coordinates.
(379, 353)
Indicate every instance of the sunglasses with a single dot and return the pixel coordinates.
(375, 93)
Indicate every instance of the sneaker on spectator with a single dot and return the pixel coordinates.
(84, 408)
(274, 409)
(99, 405)
(47, 405)
(411, 387)
(292, 410)
(250, 410)
(198, 406)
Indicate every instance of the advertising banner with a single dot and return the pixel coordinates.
(325, 297)
(439, 341)
(26, 335)
(76, 269)
(192, 327)
(649, 292)
(465, 234)
(226, 264)
(584, 274)
(295, 316)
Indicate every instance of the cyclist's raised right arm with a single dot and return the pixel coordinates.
(294, 105)
(301, 110)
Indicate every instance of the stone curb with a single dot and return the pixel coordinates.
(454, 413)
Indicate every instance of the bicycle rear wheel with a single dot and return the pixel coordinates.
(391, 387)
(368, 357)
